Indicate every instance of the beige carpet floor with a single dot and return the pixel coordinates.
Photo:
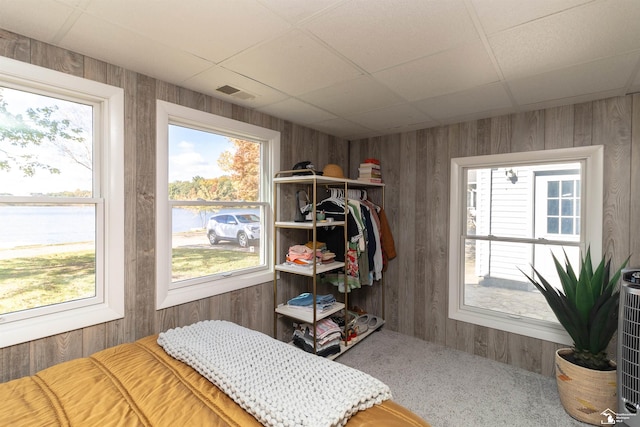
(451, 388)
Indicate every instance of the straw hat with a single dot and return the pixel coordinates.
(333, 170)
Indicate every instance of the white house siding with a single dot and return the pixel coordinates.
(512, 208)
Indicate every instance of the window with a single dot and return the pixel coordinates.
(509, 214)
(214, 183)
(61, 202)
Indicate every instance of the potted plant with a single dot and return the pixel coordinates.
(587, 308)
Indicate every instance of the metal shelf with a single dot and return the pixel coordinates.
(306, 316)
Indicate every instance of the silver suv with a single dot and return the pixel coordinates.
(242, 227)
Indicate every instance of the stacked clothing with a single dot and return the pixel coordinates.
(305, 301)
(327, 335)
(303, 254)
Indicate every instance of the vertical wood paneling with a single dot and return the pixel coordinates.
(16, 361)
(634, 208)
(612, 128)
(437, 198)
(251, 307)
(126, 328)
(56, 349)
(95, 70)
(558, 132)
(497, 345)
(609, 122)
(423, 208)
(221, 307)
(191, 99)
(94, 339)
(145, 206)
(484, 137)
(46, 55)
(481, 341)
(528, 131)
(407, 218)
(500, 135)
(416, 204)
(462, 143)
(390, 157)
(525, 352)
(582, 120)
(15, 46)
(167, 92)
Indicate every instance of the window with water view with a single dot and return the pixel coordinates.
(214, 182)
(214, 188)
(48, 208)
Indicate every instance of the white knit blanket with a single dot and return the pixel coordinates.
(279, 384)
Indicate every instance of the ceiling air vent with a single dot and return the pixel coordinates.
(235, 92)
(229, 90)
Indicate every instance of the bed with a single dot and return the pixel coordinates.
(174, 379)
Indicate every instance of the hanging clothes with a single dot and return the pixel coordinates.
(386, 238)
(334, 236)
(376, 262)
(365, 260)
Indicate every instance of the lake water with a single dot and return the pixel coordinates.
(46, 225)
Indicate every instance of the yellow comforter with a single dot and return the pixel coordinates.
(138, 384)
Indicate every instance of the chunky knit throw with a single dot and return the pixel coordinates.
(280, 385)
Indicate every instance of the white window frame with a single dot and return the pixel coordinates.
(591, 232)
(208, 286)
(108, 304)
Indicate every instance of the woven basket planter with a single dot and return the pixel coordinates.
(586, 394)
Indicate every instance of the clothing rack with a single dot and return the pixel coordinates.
(338, 193)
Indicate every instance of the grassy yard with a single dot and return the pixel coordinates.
(48, 279)
(54, 278)
(193, 262)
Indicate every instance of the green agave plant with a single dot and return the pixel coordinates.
(587, 309)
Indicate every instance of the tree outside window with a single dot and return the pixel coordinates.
(48, 228)
(215, 192)
(206, 167)
(61, 202)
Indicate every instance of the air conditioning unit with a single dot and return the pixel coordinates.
(629, 349)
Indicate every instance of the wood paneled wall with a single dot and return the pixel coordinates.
(251, 307)
(416, 168)
(416, 171)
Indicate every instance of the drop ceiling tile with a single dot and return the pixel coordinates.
(390, 118)
(75, 3)
(579, 99)
(575, 36)
(252, 94)
(416, 126)
(378, 34)
(353, 96)
(211, 29)
(295, 11)
(497, 15)
(100, 39)
(341, 128)
(294, 63)
(451, 71)
(297, 111)
(594, 77)
(41, 23)
(473, 101)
